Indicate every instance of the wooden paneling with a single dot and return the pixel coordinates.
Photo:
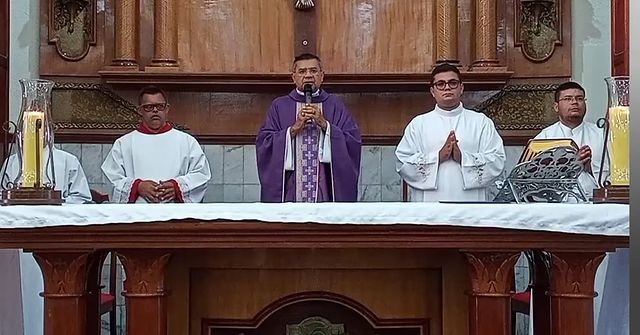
(376, 36)
(235, 35)
(226, 284)
(620, 37)
(4, 72)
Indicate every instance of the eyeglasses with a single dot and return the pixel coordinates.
(570, 99)
(441, 85)
(150, 107)
(302, 71)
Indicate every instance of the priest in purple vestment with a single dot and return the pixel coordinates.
(308, 149)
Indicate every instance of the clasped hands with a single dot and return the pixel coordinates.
(584, 157)
(154, 192)
(450, 149)
(308, 113)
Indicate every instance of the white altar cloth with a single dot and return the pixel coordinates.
(598, 219)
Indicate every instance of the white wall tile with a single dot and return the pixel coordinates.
(369, 193)
(91, 162)
(370, 165)
(215, 157)
(388, 166)
(250, 165)
(214, 193)
(251, 193)
(233, 193)
(392, 193)
(233, 164)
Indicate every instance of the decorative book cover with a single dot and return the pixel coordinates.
(535, 146)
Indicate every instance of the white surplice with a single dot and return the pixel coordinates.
(429, 179)
(589, 134)
(172, 155)
(70, 178)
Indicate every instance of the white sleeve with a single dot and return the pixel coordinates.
(324, 145)
(113, 169)
(480, 169)
(288, 152)
(78, 188)
(419, 169)
(193, 184)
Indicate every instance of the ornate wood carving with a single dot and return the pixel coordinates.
(327, 309)
(572, 291)
(165, 35)
(491, 275)
(72, 27)
(447, 31)
(305, 24)
(304, 4)
(65, 291)
(144, 291)
(126, 35)
(538, 28)
(486, 37)
(521, 107)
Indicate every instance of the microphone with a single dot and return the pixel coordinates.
(308, 90)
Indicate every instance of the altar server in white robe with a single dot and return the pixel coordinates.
(570, 104)
(156, 163)
(69, 176)
(450, 153)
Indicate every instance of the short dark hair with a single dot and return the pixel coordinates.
(445, 67)
(305, 56)
(567, 86)
(151, 90)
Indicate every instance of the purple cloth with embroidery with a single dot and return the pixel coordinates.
(341, 176)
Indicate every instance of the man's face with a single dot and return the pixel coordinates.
(571, 106)
(307, 71)
(447, 89)
(153, 110)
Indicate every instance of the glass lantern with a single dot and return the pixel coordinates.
(29, 171)
(617, 138)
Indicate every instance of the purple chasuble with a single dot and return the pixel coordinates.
(311, 180)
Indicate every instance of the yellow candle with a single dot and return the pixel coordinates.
(619, 142)
(32, 137)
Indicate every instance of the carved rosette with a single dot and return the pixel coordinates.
(447, 31)
(145, 272)
(491, 273)
(538, 28)
(72, 27)
(573, 274)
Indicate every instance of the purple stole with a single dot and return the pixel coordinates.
(311, 183)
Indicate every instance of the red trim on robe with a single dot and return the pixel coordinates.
(143, 128)
(133, 195)
(176, 187)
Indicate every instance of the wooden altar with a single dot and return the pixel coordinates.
(229, 277)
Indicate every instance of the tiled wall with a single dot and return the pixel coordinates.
(234, 174)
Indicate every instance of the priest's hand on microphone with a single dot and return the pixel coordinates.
(313, 112)
(584, 157)
(148, 190)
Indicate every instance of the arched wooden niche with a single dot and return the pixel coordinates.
(316, 313)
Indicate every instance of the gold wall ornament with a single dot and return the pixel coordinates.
(304, 4)
(538, 28)
(72, 27)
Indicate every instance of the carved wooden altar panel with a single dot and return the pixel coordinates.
(376, 36)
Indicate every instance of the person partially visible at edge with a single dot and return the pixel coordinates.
(449, 153)
(308, 152)
(156, 163)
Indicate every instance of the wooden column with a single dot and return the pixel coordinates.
(126, 34)
(572, 292)
(144, 291)
(65, 291)
(447, 31)
(486, 36)
(620, 37)
(164, 31)
(491, 276)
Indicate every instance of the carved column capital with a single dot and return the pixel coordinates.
(65, 277)
(572, 291)
(144, 291)
(491, 275)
